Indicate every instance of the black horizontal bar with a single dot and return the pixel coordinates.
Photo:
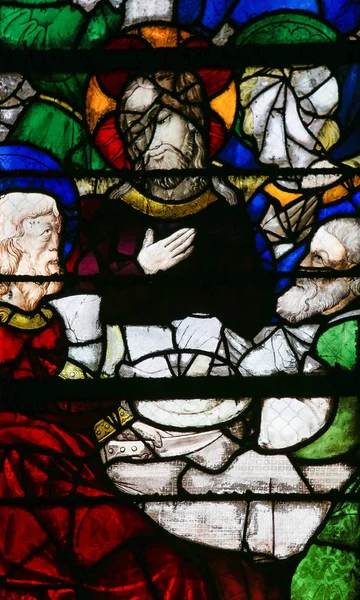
(211, 170)
(248, 496)
(40, 395)
(169, 281)
(92, 61)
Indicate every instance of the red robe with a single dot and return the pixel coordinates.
(64, 533)
(32, 345)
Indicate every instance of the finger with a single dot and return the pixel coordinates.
(148, 239)
(184, 238)
(151, 436)
(230, 335)
(235, 340)
(156, 439)
(148, 434)
(182, 248)
(174, 236)
(182, 256)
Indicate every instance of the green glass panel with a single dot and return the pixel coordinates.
(43, 25)
(326, 573)
(344, 525)
(104, 23)
(37, 3)
(40, 28)
(64, 87)
(342, 435)
(286, 28)
(338, 345)
(58, 131)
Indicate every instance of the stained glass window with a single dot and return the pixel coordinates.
(179, 299)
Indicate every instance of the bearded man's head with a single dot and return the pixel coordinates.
(162, 118)
(30, 226)
(335, 246)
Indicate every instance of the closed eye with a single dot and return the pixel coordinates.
(318, 258)
(164, 120)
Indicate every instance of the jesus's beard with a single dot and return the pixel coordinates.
(166, 157)
(305, 299)
(33, 292)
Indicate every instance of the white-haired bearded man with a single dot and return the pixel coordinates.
(30, 226)
(335, 246)
(318, 329)
(309, 307)
(35, 340)
(32, 339)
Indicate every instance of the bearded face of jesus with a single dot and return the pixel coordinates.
(30, 226)
(162, 118)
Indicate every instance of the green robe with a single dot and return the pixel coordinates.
(330, 569)
(58, 128)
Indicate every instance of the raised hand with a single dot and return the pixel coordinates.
(166, 253)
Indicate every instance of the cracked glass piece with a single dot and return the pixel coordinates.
(274, 355)
(143, 341)
(15, 93)
(88, 355)
(276, 108)
(264, 529)
(130, 478)
(154, 10)
(249, 471)
(282, 529)
(286, 422)
(215, 455)
(154, 367)
(218, 524)
(338, 345)
(192, 412)
(324, 478)
(191, 347)
(81, 317)
(198, 332)
(290, 223)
